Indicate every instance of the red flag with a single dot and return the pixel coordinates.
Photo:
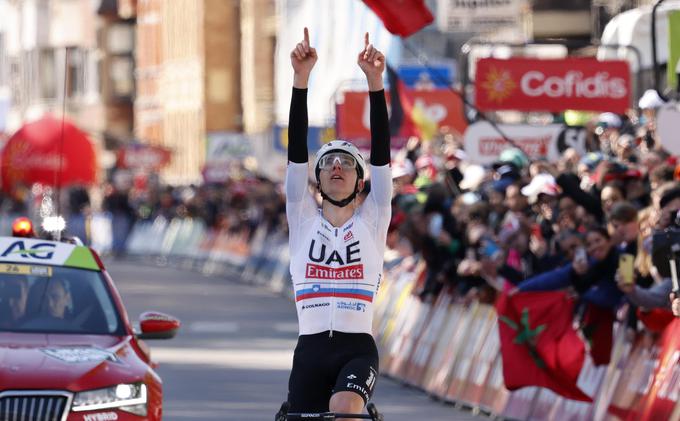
(401, 17)
(655, 319)
(538, 343)
(598, 325)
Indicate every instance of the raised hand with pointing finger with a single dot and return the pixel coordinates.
(303, 58)
(372, 63)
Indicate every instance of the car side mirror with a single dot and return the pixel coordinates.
(155, 325)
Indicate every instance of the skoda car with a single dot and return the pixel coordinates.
(67, 348)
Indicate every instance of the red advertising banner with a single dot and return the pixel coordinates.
(664, 393)
(440, 106)
(142, 156)
(649, 387)
(552, 85)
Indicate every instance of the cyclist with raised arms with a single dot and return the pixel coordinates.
(336, 252)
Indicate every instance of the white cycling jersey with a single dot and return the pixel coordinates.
(336, 271)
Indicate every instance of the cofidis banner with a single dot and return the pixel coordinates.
(552, 85)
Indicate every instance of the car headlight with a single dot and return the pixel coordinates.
(126, 397)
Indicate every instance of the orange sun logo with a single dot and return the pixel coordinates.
(498, 85)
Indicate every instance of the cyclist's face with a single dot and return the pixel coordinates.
(338, 175)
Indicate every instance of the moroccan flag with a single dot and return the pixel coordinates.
(539, 346)
(401, 17)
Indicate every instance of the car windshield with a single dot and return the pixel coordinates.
(51, 299)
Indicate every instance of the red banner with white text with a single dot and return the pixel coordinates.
(552, 85)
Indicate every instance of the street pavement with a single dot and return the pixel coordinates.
(232, 356)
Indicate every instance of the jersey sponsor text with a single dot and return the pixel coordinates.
(324, 272)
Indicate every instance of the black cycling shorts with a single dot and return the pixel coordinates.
(324, 365)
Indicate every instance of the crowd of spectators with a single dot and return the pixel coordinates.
(534, 225)
(237, 205)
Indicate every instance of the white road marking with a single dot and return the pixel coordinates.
(214, 327)
(286, 327)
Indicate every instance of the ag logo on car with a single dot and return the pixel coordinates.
(42, 251)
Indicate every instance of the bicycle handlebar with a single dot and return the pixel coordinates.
(284, 415)
(331, 416)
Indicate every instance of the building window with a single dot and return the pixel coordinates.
(47, 72)
(121, 74)
(120, 38)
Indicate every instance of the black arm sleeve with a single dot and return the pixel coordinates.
(297, 127)
(380, 129)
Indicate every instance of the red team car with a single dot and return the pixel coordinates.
(67, 348)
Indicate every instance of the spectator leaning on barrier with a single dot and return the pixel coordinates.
(656, 296)
(543, 193)
(592, 278)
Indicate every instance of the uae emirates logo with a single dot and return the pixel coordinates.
(498, 85)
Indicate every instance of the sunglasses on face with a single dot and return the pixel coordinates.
(345, 161)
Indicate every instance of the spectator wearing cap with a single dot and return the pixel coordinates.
(542, 193)
(426, 170)
(515, 157)
(608, 128)
(403, 172)
(504, 176)
(628, 180)
(649, 103)
(588, 163)
(473, 176)
(454, 174)
(405, 193)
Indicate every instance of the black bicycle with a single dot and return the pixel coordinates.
(284, 415)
